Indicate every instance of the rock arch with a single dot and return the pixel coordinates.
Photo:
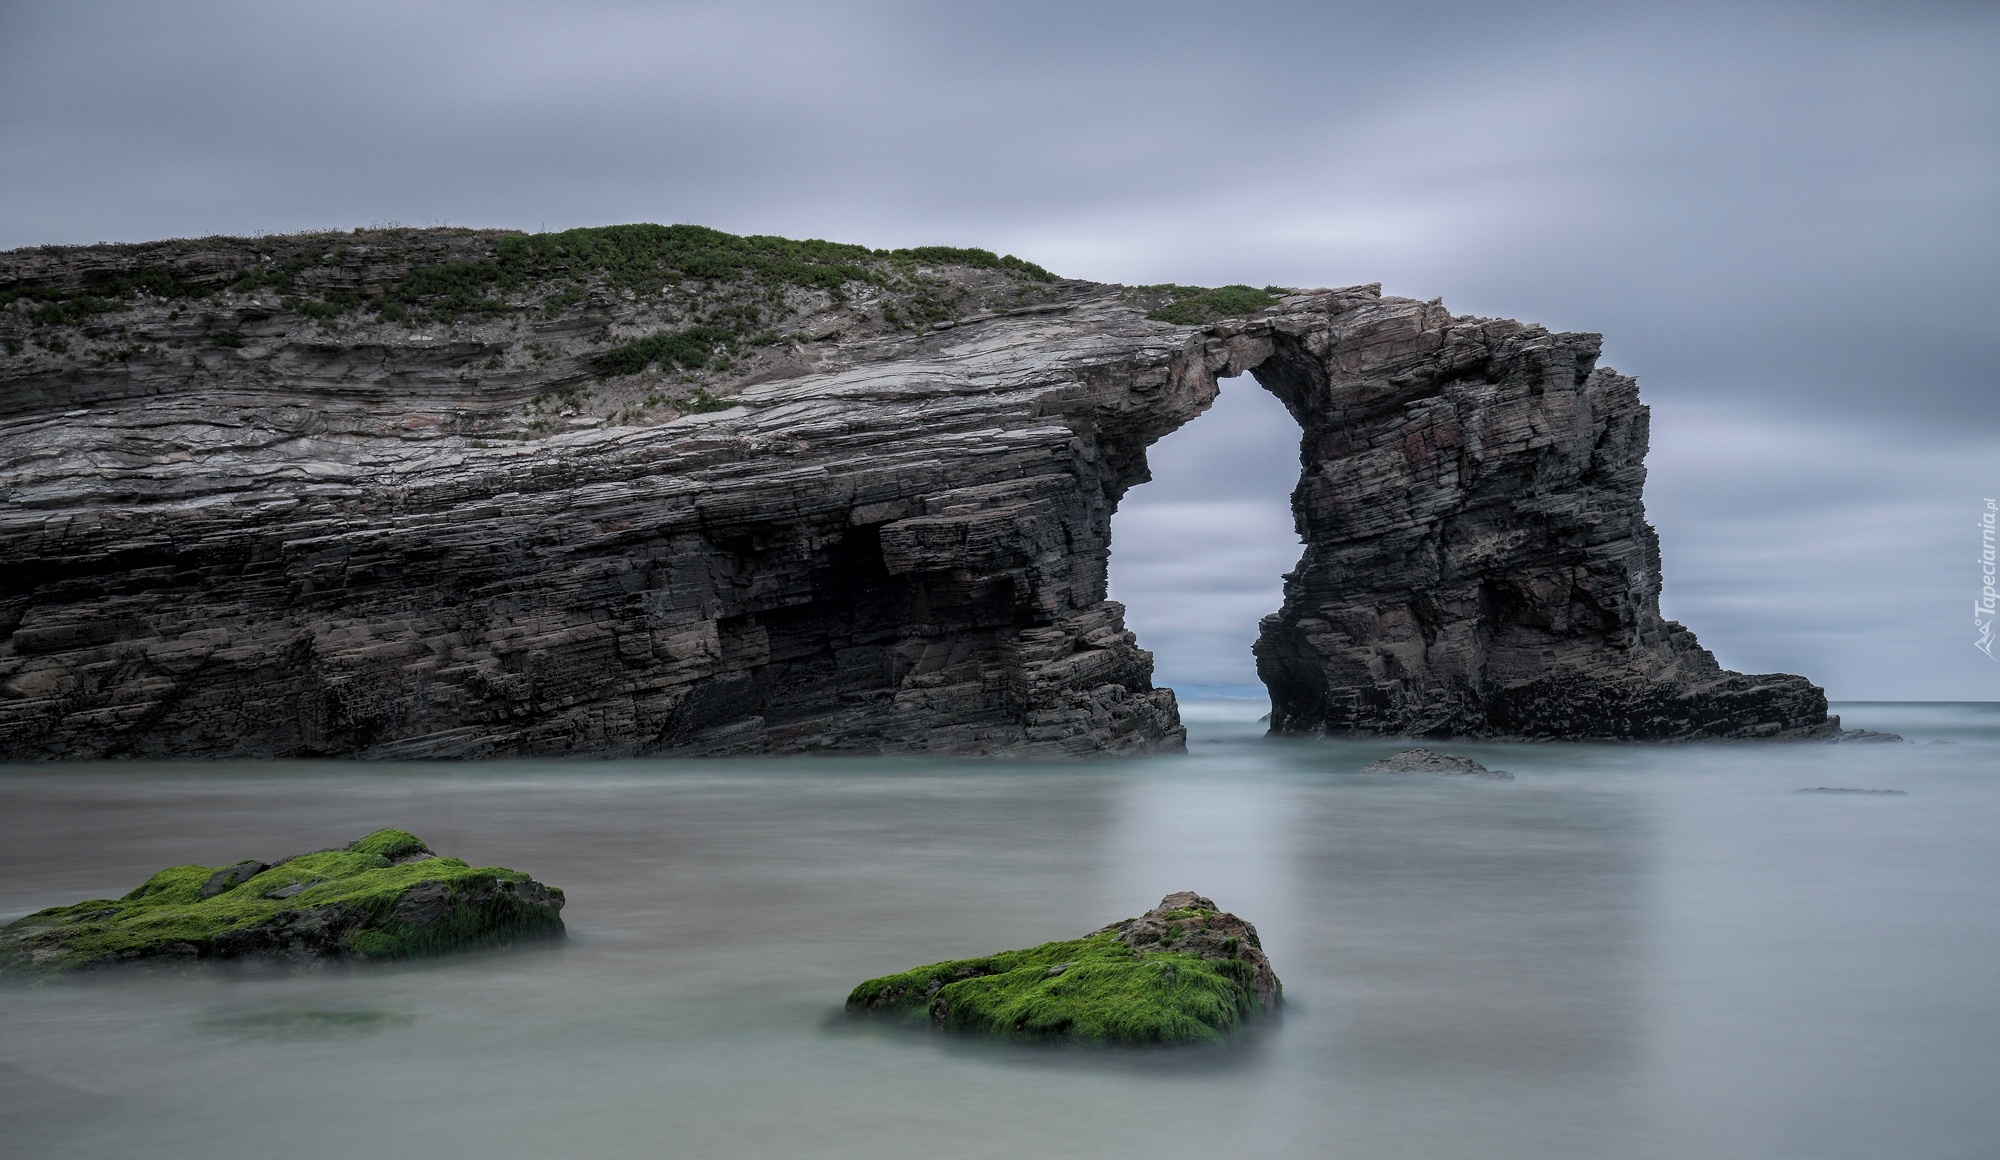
(252, 535)
(1477, 558)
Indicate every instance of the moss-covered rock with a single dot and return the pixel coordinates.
(1183, 972)
(383, 896)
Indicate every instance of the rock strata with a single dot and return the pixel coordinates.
(645, 490)
(1183, 972)
(1477, 557)
(382, 896)
(1424, 761)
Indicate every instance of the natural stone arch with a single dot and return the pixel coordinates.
(889, 540)
(1477, 560)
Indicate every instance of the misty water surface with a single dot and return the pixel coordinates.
(1629, 951)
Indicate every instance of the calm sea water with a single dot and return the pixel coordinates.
(1631, 951)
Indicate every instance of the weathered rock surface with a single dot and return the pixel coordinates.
(245, 517)
(382, 896)
(1188, 923)
(1477, 559)
(1424, 761)
(1183, 972)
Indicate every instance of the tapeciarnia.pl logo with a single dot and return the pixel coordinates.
(1982, 608)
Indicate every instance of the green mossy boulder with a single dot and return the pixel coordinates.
(384, 896)
(1184, 972)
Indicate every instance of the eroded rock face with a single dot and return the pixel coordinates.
(1477, 559)
(311, 542)
(248, 525)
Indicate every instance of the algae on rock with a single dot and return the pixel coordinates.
(383, 896)
(1184, 972)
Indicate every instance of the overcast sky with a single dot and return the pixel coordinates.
(1784, 218)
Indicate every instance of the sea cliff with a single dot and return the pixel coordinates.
(662, 490)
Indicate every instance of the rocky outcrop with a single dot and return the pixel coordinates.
(1478, 561)
(1190, 924)
(1183, 972)
(382, 896)
(645, 490)
(1424, 761)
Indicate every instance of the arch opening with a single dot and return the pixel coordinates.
(1199, 553)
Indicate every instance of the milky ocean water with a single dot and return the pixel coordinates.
(1628, 951)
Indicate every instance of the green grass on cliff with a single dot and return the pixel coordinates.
(1195, 305)
(690, 349)
(647, 259)
(1089, 990)
(167, 911)
(49, 306)
(552, 268)
(981, 259)
(643, 259)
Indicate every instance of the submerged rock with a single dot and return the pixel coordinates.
(1864, 736)
(380, 897)
(1424, 761)
(1183, 972)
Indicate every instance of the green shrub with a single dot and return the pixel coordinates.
(689, 349)
(983, 259)
(1194, 305)
(702, 403)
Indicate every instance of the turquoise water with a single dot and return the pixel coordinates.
(1628, 951)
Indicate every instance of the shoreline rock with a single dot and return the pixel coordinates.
(383, 896)
(1862, 737)
(1183, 972)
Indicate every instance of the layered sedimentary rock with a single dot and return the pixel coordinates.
(1478, 561)
(458, 494)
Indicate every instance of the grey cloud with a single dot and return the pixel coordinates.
(1780, 214)
(1806, 544)
(1198, 554)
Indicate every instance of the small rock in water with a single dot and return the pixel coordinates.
(1847, 736)
(1424, 761)
(1836, 789)
(386, 895)
(1183, 972)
